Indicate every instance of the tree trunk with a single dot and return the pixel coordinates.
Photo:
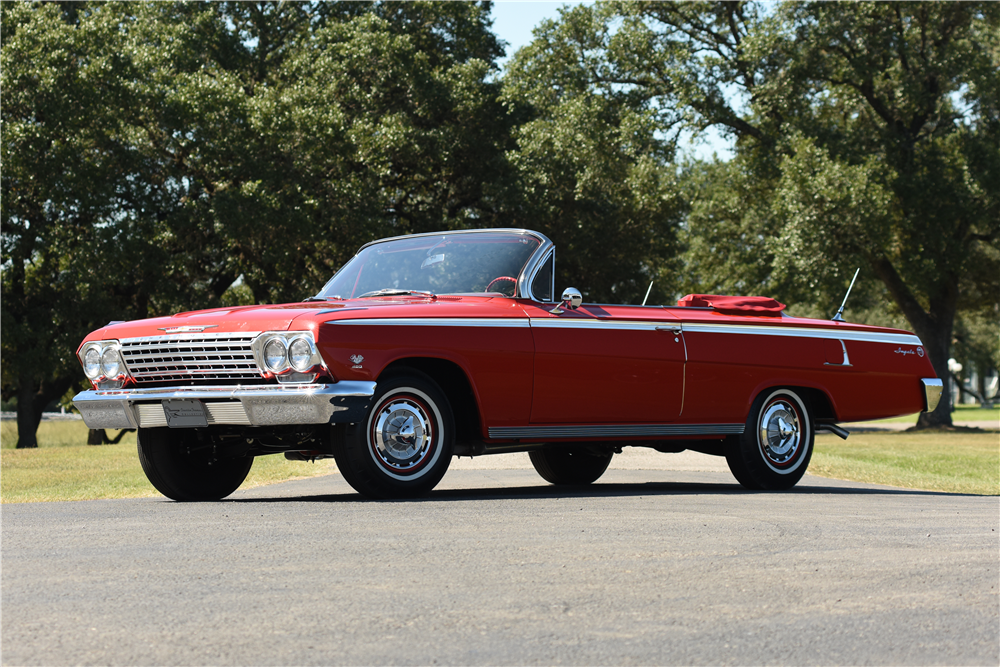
(937, 341)
(32, 397)
(27, 414)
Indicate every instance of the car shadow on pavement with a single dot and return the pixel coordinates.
(545, 491)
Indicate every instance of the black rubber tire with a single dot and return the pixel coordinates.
(778, 458)
(371, 455)
(566, 466)
(187, 475)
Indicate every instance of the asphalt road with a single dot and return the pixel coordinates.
(648, 566)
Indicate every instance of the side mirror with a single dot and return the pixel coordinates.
(571, 298)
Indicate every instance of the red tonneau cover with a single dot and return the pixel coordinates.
(759, 305)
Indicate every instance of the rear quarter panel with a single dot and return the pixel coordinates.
(731, 359)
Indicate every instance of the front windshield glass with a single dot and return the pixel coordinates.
(442, 264)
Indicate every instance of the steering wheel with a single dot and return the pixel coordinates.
(500, 279)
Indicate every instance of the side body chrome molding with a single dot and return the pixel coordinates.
(570, 432)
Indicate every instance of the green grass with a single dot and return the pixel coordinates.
(56, 433)
(933, 461)
(961, 413)
(64, 467)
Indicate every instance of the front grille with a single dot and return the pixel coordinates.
(192, 359)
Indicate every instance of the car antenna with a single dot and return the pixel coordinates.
(839, 317)
(648, 291)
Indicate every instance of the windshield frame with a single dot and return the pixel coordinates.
(535, 261)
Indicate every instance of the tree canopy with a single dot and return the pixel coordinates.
(167, 156)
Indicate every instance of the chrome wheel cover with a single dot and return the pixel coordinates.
(402, 435)
(780, 433)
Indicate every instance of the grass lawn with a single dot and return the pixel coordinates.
(935, 461)
(64, 467)
(962, 413)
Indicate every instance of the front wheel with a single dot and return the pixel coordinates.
(570, 466)
(777, 442)
(404, 445)
(182, 468)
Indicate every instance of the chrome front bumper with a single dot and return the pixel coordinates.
(932, 393)
(264, 405)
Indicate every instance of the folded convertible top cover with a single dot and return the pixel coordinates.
(760, 305)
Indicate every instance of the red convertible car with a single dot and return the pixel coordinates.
(430, 346)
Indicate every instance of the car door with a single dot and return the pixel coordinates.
(606, 365)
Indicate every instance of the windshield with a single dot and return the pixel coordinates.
(441, 264)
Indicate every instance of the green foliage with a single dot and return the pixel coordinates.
(594, 172)
(167, 156)
(867, 135)
(155, 153)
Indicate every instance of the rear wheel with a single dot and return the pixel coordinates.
(570, 466)
(404, 445)
(182, 468)
(777, 442)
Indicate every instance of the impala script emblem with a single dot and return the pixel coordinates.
(903, 352)
(188, 329)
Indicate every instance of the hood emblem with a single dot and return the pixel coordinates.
(191, 328)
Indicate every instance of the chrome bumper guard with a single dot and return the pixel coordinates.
(269, 405)
(932, 393)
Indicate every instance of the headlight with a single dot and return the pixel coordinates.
(92, 362)
(110, 362)
(300, 354)
(275, 355)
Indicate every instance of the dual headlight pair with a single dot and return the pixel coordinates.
(102, 361)
(287, 352)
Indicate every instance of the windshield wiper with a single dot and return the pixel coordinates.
(399, 292)
(319, 298)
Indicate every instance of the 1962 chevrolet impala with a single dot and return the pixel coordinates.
(430, 346)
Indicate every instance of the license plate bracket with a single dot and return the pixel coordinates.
(185, 413)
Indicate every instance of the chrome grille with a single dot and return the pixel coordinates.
(193, 358)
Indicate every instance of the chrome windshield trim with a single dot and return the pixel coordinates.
(544, 245)
(498, 322)
(611, 431)
(541, 237)
(533, 266)
(262, 405)
(933, 388)
(801, 332)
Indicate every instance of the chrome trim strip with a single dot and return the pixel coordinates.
(264, 405)
(181, 338)
(933, 387)
(612, 431)
(616, 325)
(846, 361)
(437, 322)
(834, 334)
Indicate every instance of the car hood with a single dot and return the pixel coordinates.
(307, 315)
